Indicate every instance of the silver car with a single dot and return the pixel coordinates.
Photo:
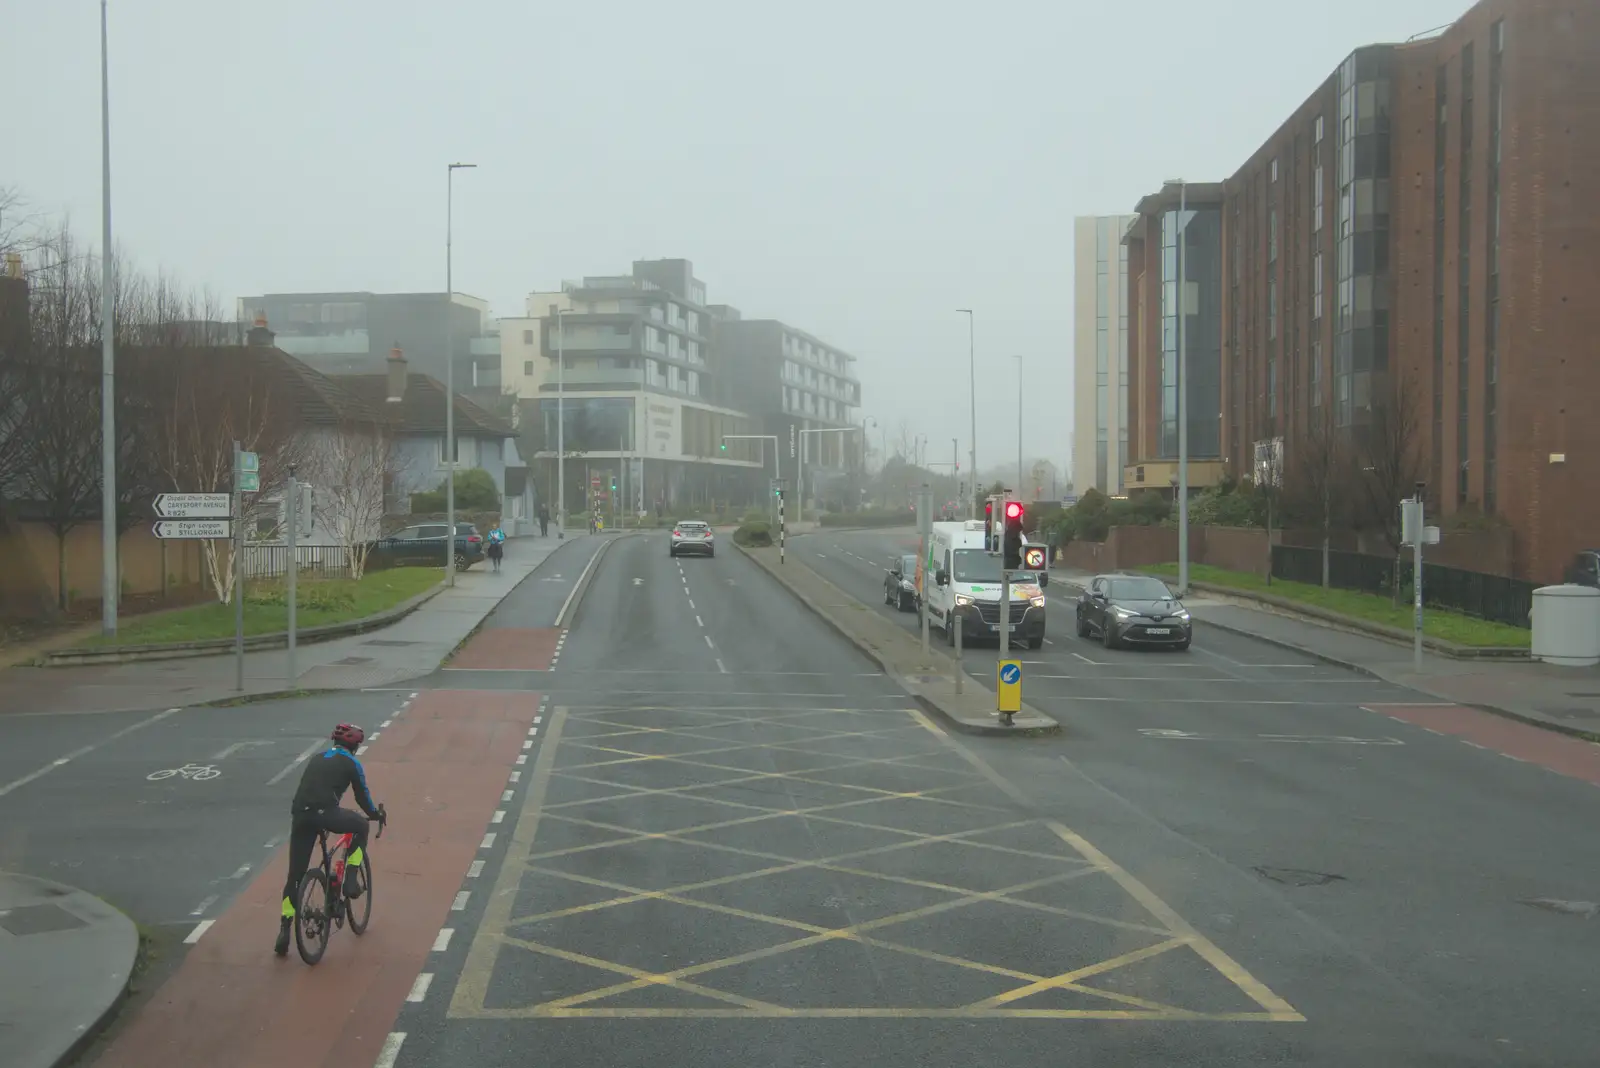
(692, 536)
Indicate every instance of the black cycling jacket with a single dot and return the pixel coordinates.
(323, 783)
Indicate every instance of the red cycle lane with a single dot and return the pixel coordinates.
(1560, 753)
(440, 768)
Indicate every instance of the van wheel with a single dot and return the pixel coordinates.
(1036, 643)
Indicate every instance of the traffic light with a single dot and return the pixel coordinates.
(1013, 535)
(724, 446)
(988, 526)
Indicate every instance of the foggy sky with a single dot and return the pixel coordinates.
(858, 170)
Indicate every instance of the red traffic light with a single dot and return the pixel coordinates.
(988, 508)
(1013, 509)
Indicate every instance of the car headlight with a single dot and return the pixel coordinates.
(962, 602)
(1038, 602)
(1123, 613)
(1182, 613)
(907, 584)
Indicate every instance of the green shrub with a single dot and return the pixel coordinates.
(475, 492)
(753, 535)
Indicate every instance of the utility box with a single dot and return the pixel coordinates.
(1566, 625)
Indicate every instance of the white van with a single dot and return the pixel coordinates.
(966, 585)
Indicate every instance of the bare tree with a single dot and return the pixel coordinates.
(211, 400)
(1320, 479)
(1390, 455)
(356, 468)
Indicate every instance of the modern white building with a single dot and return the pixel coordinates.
(1099, 352)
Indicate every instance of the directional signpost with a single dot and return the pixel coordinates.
(193, 506)
(200, 529)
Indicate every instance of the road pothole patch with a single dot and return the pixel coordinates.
(1297, 876)
(1586, 909)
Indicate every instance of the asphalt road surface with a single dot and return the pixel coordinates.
(731, 841)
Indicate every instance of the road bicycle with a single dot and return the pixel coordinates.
(188, 771)
(321, 905)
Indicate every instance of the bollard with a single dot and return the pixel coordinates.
(955, 621)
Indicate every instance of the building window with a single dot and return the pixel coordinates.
(1441, 125)
(1491, 310)
(1272, 308)
(527, 337)
(1316, 130)
(1463, 283)
(1274, 168)
(1316, 286)
(527, 367)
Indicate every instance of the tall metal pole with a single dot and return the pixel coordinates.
(450, 374)
(561, 428)
(1019, 423)
(1183, 399)
(972, 389)
(292, 572)
(238, 569)
(109, 587)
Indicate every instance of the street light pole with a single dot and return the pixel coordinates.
(972, 388)
(561, 427)
(1019, 422)
(450, 455)
(109, 587)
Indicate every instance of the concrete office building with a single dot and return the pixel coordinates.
(352, 333)
(789, 381)
(639, 394)
(1099, 352)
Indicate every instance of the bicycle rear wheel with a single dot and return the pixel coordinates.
(313, 916)
(360, 910)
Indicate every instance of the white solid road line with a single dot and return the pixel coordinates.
(312, 748)
(561, 616)
(391, 1050)
(199, 929)
(76, 753)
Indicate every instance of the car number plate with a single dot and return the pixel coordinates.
(1158, 630)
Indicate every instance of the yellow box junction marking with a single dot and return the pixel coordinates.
(503, 931)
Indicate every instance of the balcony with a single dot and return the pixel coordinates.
(589, 377)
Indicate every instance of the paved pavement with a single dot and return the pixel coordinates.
(65, 961)
(411, 647)
(725, 836)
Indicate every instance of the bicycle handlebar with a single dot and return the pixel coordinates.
(383, 819)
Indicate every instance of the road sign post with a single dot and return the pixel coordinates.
(1008, 689)
(246, 479)
(924, 529)
(193, 506)
(193, 529)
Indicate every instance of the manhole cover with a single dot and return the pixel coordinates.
(352, 661)
(1586, 909)
(39, 919)
(392, 643)
(1298, 876)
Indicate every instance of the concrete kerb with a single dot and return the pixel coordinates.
(1362, 669)
(924, 701)
(127, 654)
(93, 1008)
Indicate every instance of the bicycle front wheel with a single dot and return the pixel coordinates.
(313, 916)
(360, 910)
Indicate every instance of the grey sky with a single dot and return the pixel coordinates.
(859, 170)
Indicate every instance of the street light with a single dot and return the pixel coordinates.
(1183, 393)
(450, 454)
(109, 589)
(972, 390)
(1018, 358)
(561, 426)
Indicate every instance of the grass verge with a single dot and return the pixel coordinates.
(266, 611)
(1437, 623)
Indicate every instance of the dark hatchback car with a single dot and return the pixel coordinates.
(1133, 610)
(900, 582)
(423, 546)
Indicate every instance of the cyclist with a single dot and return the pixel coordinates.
(316, 808)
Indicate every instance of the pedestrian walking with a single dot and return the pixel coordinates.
(544, 520)
(497, 546)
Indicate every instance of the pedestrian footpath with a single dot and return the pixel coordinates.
(65, 961)
(1546, 695)
(410, 648)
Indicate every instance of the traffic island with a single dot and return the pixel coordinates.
(929, 679)
(65, 961)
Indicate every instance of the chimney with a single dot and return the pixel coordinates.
(259, 336)
(397, 375)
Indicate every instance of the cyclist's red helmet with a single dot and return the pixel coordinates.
(348, 735)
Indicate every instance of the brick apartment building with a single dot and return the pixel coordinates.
(1426, 223)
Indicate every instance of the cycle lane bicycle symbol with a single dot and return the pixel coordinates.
(188, 771)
